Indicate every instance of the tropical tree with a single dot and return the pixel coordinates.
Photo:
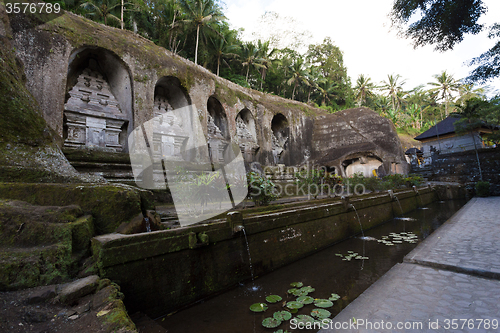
(250, 57)
(102, 9)
(445, 86)
(364, 88)
(267, 58)
(223, 48)
(470, 119)
(201, 15)
(326, 90)
(393, 87)
(468, 91)
(299, 74)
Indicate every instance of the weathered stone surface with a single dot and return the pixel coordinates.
(78, 288)
(41, 295)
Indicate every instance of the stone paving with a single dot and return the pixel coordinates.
(449, 283)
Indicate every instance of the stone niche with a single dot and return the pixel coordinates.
(217, 130)
(364, 165)
(246, 136)
(92, 115)
(98, 112)
(279, 136)
(169, 137)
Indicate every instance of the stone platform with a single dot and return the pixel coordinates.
(449, 283)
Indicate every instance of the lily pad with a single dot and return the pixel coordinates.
(323, 303)
(294, 305)
(309, 289)
(258, 307)
(296, 284)
(300, 292)
(282, 315)
(271, 322)
(273, 298)
(281, 331)
(334, 297)
(292, 291)
(320, 313)
(305, 299)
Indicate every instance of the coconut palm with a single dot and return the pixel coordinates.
(250, 58)
(326, 90)
(267, 58)
(298, 75)
(393, 87)
(102, 9)
(201, 14)
(363, 89)
(222, 49)
(445, 86)
(468, 91)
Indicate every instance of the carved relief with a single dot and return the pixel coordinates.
(245, 140)
(168, 137)
(92, 114)
(216, 141)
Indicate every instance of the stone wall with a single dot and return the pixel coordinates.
(141, 76)
(183, 265)
(463, 168)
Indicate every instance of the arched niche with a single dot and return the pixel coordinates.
(364, 164)
(170, 90)
(98, 110)
(218, 115)
(246, 135)
(280, 137)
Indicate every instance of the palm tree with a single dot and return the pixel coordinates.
(221, 48)
(468, 91)
(102, 8)
(267, 58)
(298, 75)
(250, 57)
(393, 87)
(444, 87)
(326, 90)
(363, 89)
(200, 14)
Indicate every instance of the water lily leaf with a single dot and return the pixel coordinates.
(305, 299)
(296, 284)
(320, 313)
(282, 315)
(305, 319)
(334, 297)
(271, 322)
(323, 303)
(291, 291)
(258, 307)
(281, 331)
(308, 289)
(273, 298)
(300, 292)
(294, 305)
(339, 254)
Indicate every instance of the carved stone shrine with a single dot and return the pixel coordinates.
(92, 115)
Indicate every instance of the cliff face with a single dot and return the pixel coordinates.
(28, 150)
(143, 77)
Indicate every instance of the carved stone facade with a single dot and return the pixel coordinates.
(246, 141)
(92, 115)
(216, 141)
(278, 147)
(168, 135)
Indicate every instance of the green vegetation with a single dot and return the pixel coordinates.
(260, 189)
(482, 189)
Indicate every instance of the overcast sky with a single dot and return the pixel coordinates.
(362, 30)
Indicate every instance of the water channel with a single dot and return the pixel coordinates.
(325, 271)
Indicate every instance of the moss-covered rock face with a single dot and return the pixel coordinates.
(28, 151)
(110, 205)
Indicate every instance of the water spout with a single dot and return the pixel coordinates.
(418, 193)
(359, 220)
(402, 213)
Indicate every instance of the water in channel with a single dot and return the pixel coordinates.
(325, 271)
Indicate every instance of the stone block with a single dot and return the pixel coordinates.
(78, 288)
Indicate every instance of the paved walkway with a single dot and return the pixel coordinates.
(449, 283)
